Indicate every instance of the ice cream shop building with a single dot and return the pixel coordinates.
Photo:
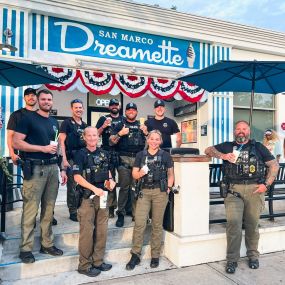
(137, 52)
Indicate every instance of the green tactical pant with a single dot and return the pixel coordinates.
(245, 210)
(125, 182)
(156, 201)
(42, 189)
(93, 223)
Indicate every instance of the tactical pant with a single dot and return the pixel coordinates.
(41, 188)
(125, 182)
(247, 210)
(71, 193)
(112, 195)
(155, 200)
(93, 223)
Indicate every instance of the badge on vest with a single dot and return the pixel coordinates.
(252, 168)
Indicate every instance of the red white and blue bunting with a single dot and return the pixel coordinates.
(134, 86)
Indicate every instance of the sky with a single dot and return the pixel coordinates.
(268, 14)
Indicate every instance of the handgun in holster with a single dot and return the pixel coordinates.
(27, 168)
(224, 188)
(138, 189)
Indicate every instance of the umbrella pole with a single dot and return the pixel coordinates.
(252, 96)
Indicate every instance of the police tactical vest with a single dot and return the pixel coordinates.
(135, 138)
(157, 173)
(249, 165)
(96, 167)
(74, 138)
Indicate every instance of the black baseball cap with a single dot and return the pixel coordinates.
(30, 91)
(268, 132)
(131, 106)
(158, 103)
(113, 102)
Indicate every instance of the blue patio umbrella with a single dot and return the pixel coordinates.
(241, 76)
(17, 74)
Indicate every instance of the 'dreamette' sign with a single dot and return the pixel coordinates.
(97, 41)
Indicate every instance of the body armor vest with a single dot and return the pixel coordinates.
(97, 168)
(157, 174)
(249, 165)
(74, 138)
(135, 136)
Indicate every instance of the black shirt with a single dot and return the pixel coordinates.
(107, 131)
(166, 126)
(227, 147)
(39, 130)
(16, 117)
(123, 144)
(166, 159)
(73, 130)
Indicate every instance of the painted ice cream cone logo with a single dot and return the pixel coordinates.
(190, 55)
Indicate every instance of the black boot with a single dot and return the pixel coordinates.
(135, 260)
(231, 267)
(120, 221)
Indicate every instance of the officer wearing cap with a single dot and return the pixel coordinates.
(104, 125)
(165, 125)
(71, 141)
(36, 136)
(129, 137)
(244, 184)
(30, 98)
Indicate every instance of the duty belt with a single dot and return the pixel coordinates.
(244, 182)
(44, 161)
(153, 185)
(126, 153)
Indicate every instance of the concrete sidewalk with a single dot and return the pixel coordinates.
(271, 272)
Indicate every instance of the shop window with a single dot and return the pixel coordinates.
(263, 112)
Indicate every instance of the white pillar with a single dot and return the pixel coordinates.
(191, 209)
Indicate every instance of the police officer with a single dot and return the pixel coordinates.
(71, 141)
(92, 172)
(130, 139)
(30, 98)
(35, 136)
(104, 126)
(165, 125)
(244, 178)
(154, 170)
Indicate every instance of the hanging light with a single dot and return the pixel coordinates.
(6, 46)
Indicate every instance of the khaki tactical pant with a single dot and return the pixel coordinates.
(125, 182)
(247, 210)
(156, 201)
(92, 234)
(41, 188)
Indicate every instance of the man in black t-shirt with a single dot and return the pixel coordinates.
(71, 141)
(104, 125)
(129, 137)
(36, 137)
(165, 125)
(30, 98)
(244, 184)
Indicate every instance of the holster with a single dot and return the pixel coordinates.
(224, 188)
(138, 189)
(27, 167)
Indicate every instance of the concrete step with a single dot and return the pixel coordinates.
(49, 265)
(72, 276)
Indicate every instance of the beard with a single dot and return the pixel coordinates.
(241, 137)
(114, 111)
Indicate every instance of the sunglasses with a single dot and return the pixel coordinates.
(76, 101)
